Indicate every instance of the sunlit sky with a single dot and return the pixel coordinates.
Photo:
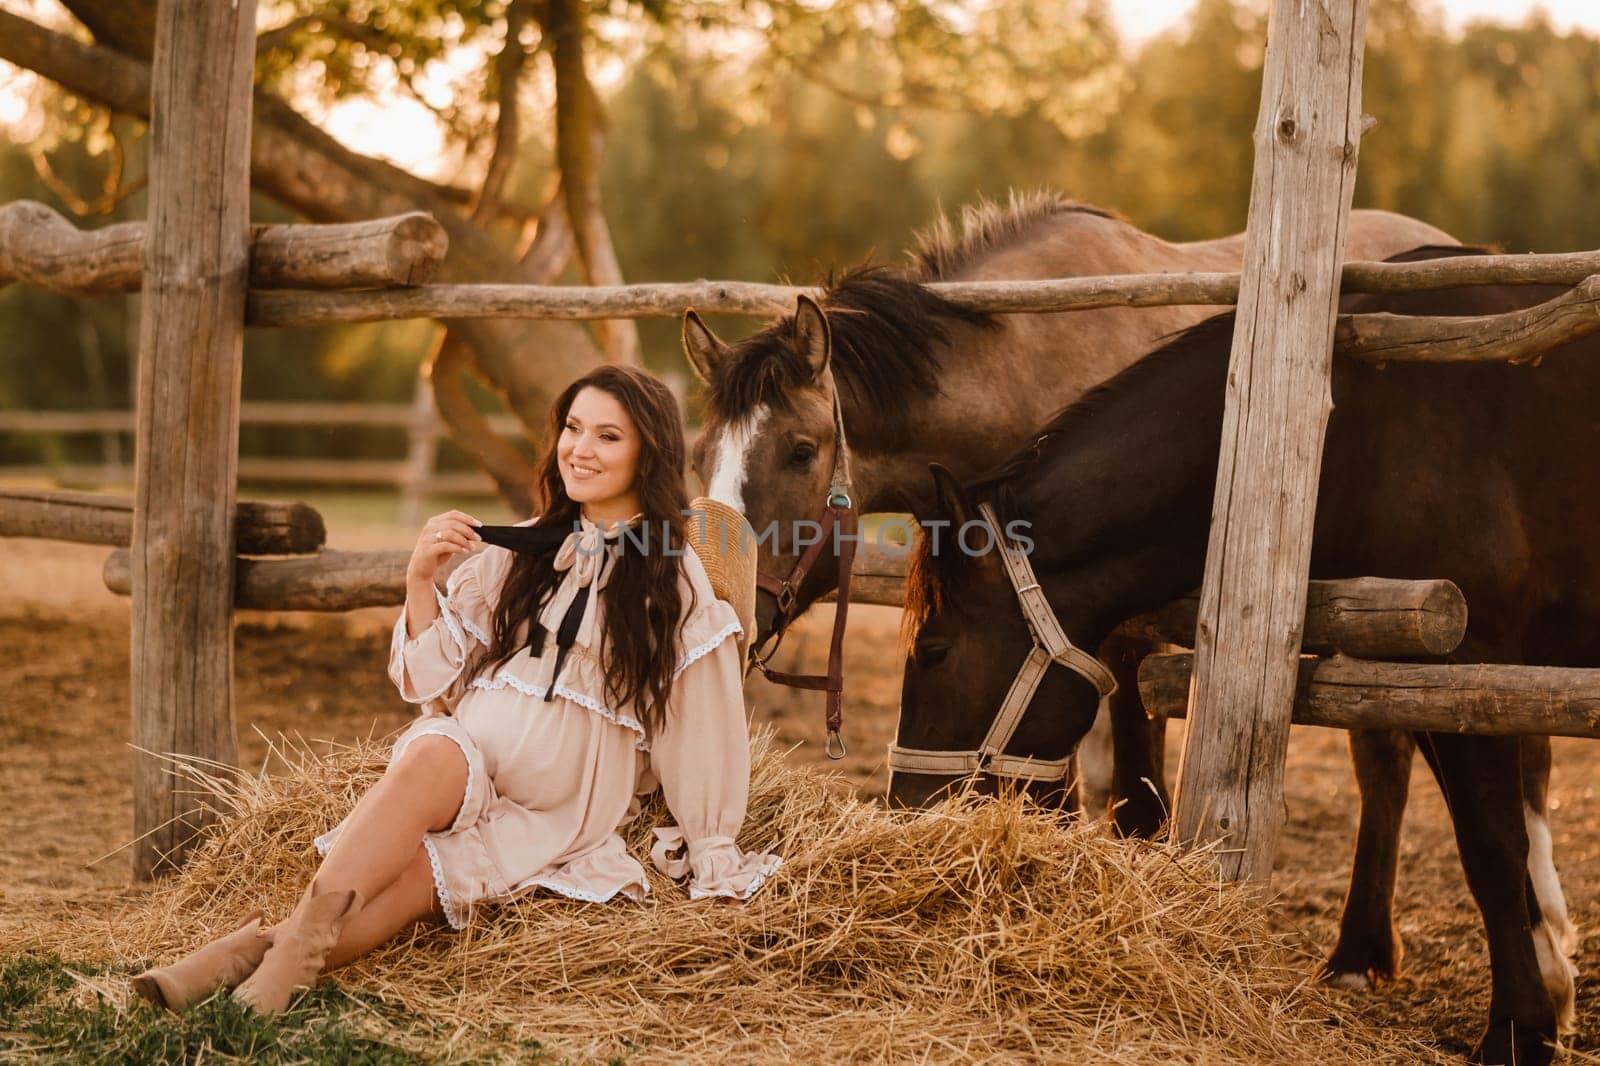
(1141, 19)
(402, 130)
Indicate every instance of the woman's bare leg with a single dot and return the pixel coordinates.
(421, 792)
(408, 899)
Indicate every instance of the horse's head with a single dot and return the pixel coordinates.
(768, 442)
(966, 639)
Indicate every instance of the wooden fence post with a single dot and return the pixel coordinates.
(1252, 603)
(191, 342)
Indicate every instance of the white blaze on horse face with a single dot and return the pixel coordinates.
(1554, 938)
(730, 458)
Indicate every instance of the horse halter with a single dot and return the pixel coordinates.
(838, 523)
(1050, 644)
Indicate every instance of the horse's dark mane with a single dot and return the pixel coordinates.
(885, 327)
(886, 324)
(1177, 346)
(986, 225)
(932, 579)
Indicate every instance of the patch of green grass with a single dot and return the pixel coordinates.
(40, 1021)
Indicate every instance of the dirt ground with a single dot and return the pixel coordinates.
(66, 810)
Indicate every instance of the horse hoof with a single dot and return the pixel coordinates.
(1509, 1044)
(1347, 981)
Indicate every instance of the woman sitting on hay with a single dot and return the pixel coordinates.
(562, 675)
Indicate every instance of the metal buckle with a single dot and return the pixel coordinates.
(840, 499)
(786, 598)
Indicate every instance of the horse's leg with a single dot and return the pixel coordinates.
(1368, 951)
(1559, 635)
(1555, 939)
(1481, 778)
(1139, 799)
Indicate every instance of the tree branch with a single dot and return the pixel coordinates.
(550, 247)
(578, 145)
(444, 369)
(508, 67)
(290, 158)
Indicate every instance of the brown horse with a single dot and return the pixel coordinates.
(924, 381)
(1477, 473)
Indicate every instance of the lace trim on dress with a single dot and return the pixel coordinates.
(325, 842)
(506, 677)
(466, 623)
(472, 627)
(446, 904)
(700, 652)
(696, 892)
(449, 617)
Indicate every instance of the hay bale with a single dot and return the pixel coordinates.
(977, 931)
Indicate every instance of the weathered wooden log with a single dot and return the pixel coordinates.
(39, 246)
(401, 250)
(261, 527)
(752, 298)
(1346, 693)
(1253, 598)
(1512, 337)
(1367, 617)
(191, 346)
(327, 581)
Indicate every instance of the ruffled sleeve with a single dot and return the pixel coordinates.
(425, 666)
(702, 756)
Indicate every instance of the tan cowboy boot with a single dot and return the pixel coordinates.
(224, 962)
(300, 945)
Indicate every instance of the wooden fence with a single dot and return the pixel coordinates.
(184, 569)
(415, 477)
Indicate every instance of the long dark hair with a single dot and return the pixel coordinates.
(643, 606)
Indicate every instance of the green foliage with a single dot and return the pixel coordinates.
(49, 1012)
(772, 139)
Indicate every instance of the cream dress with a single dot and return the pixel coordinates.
(553, 770)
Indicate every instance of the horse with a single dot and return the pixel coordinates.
(1427, 471)
(922, 380)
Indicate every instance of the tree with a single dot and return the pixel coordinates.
(1006, 57)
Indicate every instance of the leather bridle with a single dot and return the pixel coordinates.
(1050, 645)
(838, 524)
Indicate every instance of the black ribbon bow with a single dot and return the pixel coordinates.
(540, 540)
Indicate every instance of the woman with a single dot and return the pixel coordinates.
(559, 681)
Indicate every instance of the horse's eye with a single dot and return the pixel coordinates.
(932, 654)
(802, 455)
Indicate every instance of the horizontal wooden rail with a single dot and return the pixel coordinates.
(1357, 694)
(38, 245)
(390, 472)
(1368, 617)
(670, 299)
(1381, 616)
(329, 581)
(264, 527)
(325, 415)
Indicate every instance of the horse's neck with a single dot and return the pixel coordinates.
(1120, 498)
(999, 385)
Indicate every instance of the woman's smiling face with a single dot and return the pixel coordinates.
(598, 455)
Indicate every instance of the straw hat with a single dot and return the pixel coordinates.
(726, 546)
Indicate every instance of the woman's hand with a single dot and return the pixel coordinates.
(444, 535)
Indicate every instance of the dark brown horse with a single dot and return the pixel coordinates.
(923, 381)
(1482, 474)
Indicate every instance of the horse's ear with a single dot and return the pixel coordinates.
(951, 498)
(701, 347)
(813, 341)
